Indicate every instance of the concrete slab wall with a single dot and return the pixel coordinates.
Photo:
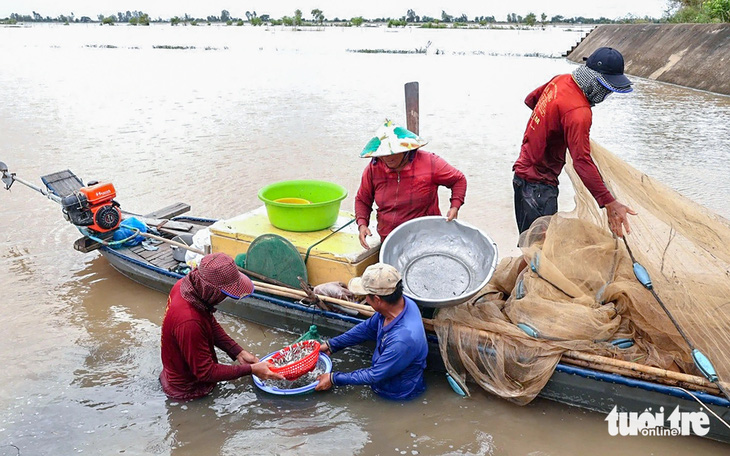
(691, 55)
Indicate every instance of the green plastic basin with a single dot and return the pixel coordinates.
(321, 212)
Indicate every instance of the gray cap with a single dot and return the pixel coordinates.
(378, 279)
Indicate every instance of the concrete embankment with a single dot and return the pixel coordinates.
(691, 55)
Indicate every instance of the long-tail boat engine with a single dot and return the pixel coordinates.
(93, 207)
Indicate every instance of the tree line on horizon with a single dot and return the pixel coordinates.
(318, 18)
(699, 11)
(677, 11)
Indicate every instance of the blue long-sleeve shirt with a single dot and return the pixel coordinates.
(399, 358)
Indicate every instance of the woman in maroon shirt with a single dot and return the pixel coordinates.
(403, 181)
(190, 332)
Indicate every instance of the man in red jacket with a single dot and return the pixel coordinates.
(561, 119)
(190, 332)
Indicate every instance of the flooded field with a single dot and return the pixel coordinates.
(208, 116)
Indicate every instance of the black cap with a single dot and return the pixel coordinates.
(610, 63)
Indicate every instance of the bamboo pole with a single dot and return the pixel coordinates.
(281, 293)
(619, 366)
(640, 368)
(275, 289)
(596, 362)
(640, 375)
(278, 288)
(262, 277)
(303, 294)
(602, 363)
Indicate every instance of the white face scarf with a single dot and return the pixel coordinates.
(588, 81)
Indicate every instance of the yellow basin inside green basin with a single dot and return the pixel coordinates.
(302, 205)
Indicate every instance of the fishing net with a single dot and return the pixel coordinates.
(574, 289)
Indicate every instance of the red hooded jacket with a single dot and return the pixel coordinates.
(190, 367)
(561, 118)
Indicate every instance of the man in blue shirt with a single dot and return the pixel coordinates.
(400, 340)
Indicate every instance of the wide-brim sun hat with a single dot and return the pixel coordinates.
(391, 139)
(220, 271)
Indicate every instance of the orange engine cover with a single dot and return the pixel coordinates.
(99, 193)
(107, 217)
(106, 214)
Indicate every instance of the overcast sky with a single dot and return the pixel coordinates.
(339, 8)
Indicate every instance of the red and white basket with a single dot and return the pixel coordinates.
(296, 369)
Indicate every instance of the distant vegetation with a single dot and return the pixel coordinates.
(677, 11)
(318, 18)
(682, 11)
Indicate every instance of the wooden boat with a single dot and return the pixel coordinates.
(578, 380)
(581, 380)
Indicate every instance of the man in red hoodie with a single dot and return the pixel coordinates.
(190, 332)
(561, 119)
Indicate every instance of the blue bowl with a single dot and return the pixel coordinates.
(293, 391)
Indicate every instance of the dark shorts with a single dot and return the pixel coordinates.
(532, 201)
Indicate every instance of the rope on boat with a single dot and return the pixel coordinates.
(705, 406)
(701, 360)
(86, 232)
(306, 257)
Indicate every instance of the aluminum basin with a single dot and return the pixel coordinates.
(442, 263)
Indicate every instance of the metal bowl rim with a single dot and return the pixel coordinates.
(464, 297)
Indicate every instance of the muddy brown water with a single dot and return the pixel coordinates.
(210, 122)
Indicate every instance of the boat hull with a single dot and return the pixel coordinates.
(580, 387)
